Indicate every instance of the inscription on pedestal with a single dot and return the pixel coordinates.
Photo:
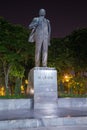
(45, 89)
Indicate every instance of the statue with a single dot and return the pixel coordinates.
(40, 34)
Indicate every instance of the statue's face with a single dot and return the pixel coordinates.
(42, 12)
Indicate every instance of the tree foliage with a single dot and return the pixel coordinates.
(15, 50)
(78, 46)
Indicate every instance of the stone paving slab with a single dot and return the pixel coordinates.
(24, 118)
(56, 128)
(34, 114)
(45, 122)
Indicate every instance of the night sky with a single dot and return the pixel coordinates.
(64, 15)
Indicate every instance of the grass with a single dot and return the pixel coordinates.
(13, 97)
(62, 95)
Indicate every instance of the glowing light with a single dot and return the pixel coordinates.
(22, 88)
(31, 91)
(67, 78)
(2, 91)
(26, 81)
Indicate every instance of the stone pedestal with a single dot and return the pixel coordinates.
(45, 88)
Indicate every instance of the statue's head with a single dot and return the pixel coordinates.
(42, 12)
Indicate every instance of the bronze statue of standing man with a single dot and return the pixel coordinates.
(40, 34)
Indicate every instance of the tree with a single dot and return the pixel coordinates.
(76, 43)
(59, 55)
(14, 47)
(69, 54)
(78, 46)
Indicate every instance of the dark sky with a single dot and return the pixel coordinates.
(64, 15)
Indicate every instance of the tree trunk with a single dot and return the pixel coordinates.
(6, 74)
(6, 79)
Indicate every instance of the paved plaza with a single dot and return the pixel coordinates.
(28, 119)
(56, 128)
(31, 114)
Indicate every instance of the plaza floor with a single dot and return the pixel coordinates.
(31, 114)
(59, 119)
(56, 128)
